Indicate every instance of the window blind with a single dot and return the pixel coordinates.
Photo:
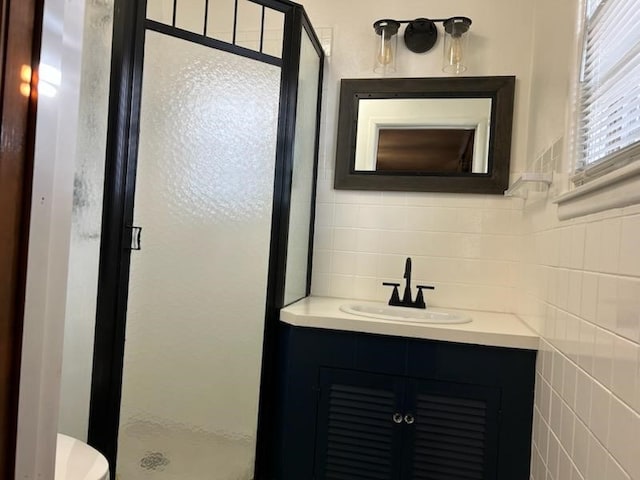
(609, 90)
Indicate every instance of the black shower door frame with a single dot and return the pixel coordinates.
(130, 26)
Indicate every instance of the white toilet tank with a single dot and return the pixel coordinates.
(75, 460)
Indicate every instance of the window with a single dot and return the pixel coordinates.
(609, 91)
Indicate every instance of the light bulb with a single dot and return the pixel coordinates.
(385, 55)
(455, 52)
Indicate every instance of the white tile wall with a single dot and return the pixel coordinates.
(464, 245)
(579, 284)
(587, 412)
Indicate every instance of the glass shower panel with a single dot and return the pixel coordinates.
(302, 181)
(84, 249)
(197, 291)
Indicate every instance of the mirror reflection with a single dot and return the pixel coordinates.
(423, 135)
(425, 150)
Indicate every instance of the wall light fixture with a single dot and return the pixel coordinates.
(420, 35)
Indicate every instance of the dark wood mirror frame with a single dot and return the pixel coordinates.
(499, 89)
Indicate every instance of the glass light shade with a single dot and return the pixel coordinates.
(386, 46)
(456, 40)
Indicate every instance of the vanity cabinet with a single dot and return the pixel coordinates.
(378, 426)
(363, 406)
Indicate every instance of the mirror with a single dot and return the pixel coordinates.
(425, 134)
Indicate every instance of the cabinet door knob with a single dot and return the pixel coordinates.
(397, 418)
(408, 418)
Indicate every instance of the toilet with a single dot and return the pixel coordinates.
(75, 460)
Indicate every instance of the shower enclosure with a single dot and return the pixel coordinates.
(206, 231)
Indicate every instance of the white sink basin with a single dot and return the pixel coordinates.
(404, 314)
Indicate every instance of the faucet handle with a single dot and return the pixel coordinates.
(395, 295)
(420, 303)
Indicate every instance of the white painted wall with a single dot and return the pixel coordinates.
(49, 244)
(465, 245)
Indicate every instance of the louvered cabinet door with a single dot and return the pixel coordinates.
(451, 431)
(359, 426)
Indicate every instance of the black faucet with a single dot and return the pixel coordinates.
(406, 297)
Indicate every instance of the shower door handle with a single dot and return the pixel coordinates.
(136, 238)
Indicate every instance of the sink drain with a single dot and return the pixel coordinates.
(154, 461)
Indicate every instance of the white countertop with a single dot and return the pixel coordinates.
(487, 328)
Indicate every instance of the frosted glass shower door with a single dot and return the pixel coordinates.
(196, 307)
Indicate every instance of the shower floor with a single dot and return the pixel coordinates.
(149, 450)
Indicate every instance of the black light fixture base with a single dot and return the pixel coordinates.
(387, 27)
(457, 26)
(420, 35)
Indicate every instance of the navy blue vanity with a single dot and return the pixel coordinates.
(358, 405)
